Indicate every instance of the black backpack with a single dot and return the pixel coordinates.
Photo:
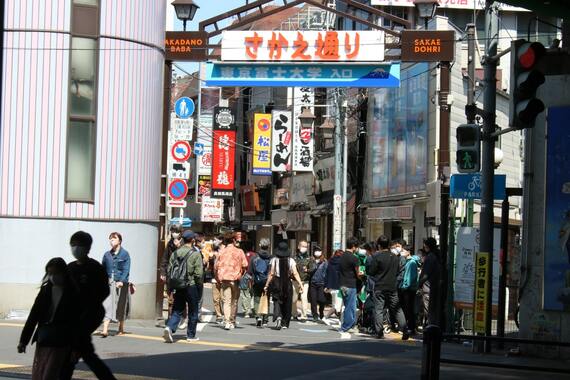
(178, 272)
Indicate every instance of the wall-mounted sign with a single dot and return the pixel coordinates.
(303, 46)
(281, 141)
(212, 210)
(428, 46)
(179, 170)
(204, 161)
(203, 187)
(482, 280)
(223, 154)
(262, 144)
(185, 46)
(303, 150)
(324, 174)
(302, 75)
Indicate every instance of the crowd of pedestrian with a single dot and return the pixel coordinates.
(371, 287)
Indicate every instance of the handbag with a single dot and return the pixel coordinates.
(263, 307)
(132, 288)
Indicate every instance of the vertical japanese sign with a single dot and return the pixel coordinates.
(303, 157)
(223, 152)
(482, 278)
(281, 141)
(262, 144)
(556, 289)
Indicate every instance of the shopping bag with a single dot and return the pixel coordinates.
(263, 307)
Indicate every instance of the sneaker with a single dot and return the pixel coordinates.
(284, 327)
(183, 324)
(278, 324)
(258, 322)
(167, 335)
(326, 321)
(194, 339)
(344, 335)
(220, 321)
(232, 326)
(247, 316)
(379, 336)
(405, 336)
(227, 326)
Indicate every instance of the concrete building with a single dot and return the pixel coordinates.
(81, 117)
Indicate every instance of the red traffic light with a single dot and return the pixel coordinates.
(529, 53)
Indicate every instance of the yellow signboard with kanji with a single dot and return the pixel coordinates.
(482, 279)
(262, 144)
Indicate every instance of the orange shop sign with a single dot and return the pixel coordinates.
(427, 46)
(185, 46)
(303, 46)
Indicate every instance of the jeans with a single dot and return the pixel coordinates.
(190, 296)
(349, 316)
(387, 298)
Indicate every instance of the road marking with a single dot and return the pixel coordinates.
(12, 324)
(6, 366)
(77, 374)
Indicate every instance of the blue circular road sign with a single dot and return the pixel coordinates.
(184, 107)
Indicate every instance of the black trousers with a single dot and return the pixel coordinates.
(283, 305)
(388, 298)
(86, 351)
(317, 299)
(408, 303)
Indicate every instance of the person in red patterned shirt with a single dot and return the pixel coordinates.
(229, 268)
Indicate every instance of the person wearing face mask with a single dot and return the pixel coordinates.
(93, 284)
(173, 244)
(53, 314)
(396, 249)
(117, 263)
(317, 285)
(303, 260)
(217, 246)
(230, 267)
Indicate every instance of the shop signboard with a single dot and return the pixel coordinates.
(223, 153)
(281, 141)
(303, 46)
(185, 46)
(212, 210)
(428, 45)
(303, 137)
(261, 144)
(451, 4)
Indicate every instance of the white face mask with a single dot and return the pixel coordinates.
(79, 252)
(394, 251)
(317, 253)
(303, 249)
(362, 251)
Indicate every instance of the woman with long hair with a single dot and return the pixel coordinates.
(53, 313)
(280, 284)
(117, 263)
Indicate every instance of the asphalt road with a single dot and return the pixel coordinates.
(305, 351)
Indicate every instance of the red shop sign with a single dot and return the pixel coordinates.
(223, 164)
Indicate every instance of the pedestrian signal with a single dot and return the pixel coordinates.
(468, 148)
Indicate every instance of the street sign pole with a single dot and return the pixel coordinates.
(338, 218)
(488, 153)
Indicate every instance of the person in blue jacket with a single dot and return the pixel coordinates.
(117, 263)
(332, 285)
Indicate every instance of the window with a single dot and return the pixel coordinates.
(82, 106)
(529, 28)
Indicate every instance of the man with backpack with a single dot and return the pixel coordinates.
(185, 277)
(259, 271)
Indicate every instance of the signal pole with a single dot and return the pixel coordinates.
(470, 97)
(488, 154)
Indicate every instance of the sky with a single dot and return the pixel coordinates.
(208, 9)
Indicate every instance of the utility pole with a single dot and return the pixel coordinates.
(339, 219)
(488, 154)
(470, 97)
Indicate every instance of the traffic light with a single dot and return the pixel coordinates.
(468, 148)
(526, 77)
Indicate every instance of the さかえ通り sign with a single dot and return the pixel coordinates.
(303, 46)
(433, 46)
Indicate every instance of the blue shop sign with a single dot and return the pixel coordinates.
(303, 75)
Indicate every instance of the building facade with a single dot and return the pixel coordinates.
(81, 121)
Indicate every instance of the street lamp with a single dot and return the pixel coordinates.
(306, 118)
(426, 9)
(185, 10)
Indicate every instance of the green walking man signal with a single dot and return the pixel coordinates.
(468, 155)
